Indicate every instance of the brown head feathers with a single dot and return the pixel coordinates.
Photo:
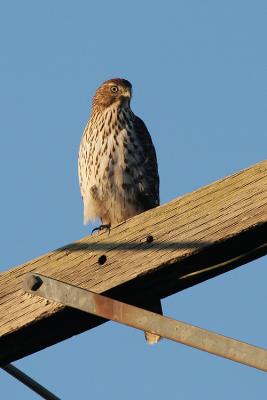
(114, 90)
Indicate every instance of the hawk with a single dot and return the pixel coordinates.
(118, 171)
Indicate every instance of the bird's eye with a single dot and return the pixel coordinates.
(114, 89)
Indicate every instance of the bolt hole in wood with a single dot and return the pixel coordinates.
(149, 239)
(102, 259)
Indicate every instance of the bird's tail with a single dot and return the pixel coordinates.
(156, 307)
(151, 338)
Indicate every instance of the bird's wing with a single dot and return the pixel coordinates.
(150, 195)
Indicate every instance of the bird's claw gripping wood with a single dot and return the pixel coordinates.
(104, 227)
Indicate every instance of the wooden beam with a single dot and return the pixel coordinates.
(155, 254)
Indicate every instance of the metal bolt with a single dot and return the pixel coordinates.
(35, 282)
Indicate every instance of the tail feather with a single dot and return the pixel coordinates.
(156, 307)
(151, 338)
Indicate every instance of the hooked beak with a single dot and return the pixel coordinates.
(127, 93)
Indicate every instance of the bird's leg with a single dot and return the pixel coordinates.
(102, 227)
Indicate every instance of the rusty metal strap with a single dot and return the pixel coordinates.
(168, 328)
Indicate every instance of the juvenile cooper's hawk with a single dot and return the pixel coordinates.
(118, 170)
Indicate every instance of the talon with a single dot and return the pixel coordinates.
(103, 227)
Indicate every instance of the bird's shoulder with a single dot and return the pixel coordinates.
(146, 142)
(142, 131)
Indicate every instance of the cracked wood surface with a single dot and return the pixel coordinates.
(195, 237)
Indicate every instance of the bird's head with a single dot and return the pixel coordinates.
(113, 91)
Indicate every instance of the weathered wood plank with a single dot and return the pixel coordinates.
(195, 237)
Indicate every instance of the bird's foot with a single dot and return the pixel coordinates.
(104, 227)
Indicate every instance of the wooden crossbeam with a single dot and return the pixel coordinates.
(155, 254)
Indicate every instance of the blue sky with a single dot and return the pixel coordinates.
(199, 73)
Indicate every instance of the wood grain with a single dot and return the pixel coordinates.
(195, 237)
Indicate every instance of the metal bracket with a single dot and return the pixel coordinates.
(144, 320)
